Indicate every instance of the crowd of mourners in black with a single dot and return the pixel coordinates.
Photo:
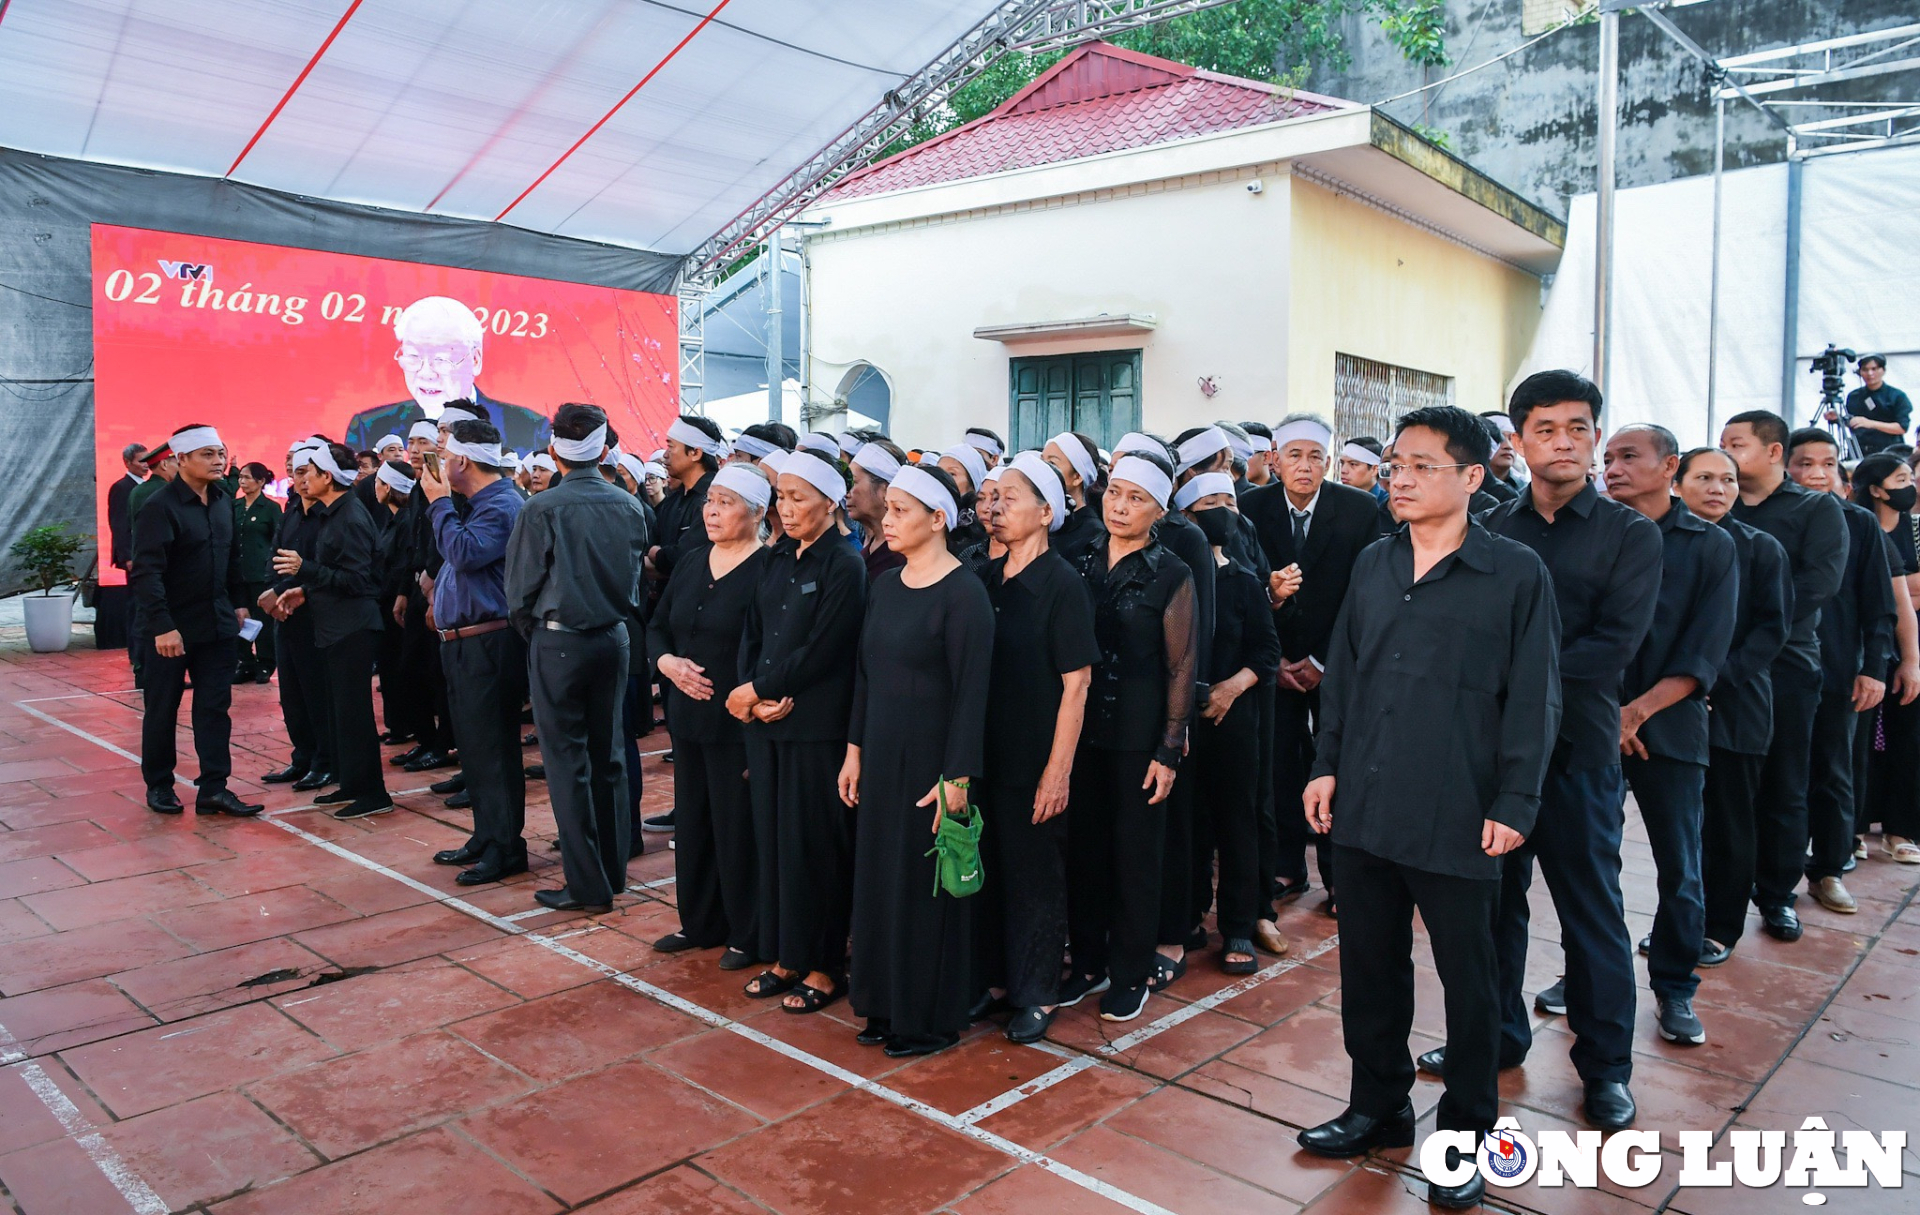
(964, 734)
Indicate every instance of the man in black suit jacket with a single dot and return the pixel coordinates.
(1321, 526)
(119, 522)
(441, 354)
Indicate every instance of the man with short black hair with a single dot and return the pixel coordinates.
(1812, 527)
(1605, 561)
(1431, 758)
(1260, 464)
(186, 581)
(1878, 412)
(1504, 463)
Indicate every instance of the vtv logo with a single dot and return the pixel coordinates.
(187, 270)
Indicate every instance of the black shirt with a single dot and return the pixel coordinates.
(1244, 637)
(1889, 404)
(1145, 622)
(186, 564)
(1605, 562)
(802, 633)
(1692, 630)
(1441, 702)
(1740, 707)
(1813, 530)
(1856, 626)
(1077, 534)
(700, 618)
(342, 588)
(678, 527)
(575, 558)
(1183, 538)
(1042, 629)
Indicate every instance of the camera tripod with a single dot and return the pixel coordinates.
(1831, 414)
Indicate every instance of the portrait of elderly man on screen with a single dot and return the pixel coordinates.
(441, 356)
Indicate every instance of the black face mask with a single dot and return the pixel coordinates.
(1217, 523)
(1902, 499)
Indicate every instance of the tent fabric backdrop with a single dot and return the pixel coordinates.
(1859, 288)
(47, 209)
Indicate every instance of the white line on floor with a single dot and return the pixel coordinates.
(1182, 1015)
(137, 1192)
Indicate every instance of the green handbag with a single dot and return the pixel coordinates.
(956, 851)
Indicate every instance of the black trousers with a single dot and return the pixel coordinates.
(1830, 795)
(634, 723)
(761, 767)
(260, 654)
(1225, 771)
(1179, 815)
(1377, 901)
(1891, 796)
(304, 701)
(813, 851)
(577, 681)
(1670, 794)
(715, 875)
(1294, 714)
(1267, 857)
(356, 739)
(390, 666)
(211, 663)
(1727, 839)
(423, 680)
(1780, 804)
(1020, 922)
(486, 685)
(1114, 841)
(1577, 841)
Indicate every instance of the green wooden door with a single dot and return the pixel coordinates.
(1097, 394)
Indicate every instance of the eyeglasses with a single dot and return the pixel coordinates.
(442, 363)
(1423, 472)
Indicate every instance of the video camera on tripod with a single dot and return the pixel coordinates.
(1831, 366)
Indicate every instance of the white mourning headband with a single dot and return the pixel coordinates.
(1311, 429)
(747, 483)
(541, 459)
(454, 413)
(1046, 482)
(876, 460)
(969, 459)
(635, 467)
(848, 442)
(387, 441)
(1203, 486)
(823, 444)
(581, 451)
(1259, 443)
(1077, 455)
(692, 436)
(611, 459)
(1239, 445)
(774, 461)
(817, 473)
(1133, 440)
(194, 439)
(424, 430)
(1353, 451)
(924, 486)
(758, 448)
(321, 457)
(479, 453)
(983, 443)
(653, 468)
(1503, 423)
(1132, 468)
(993, 474)
(395, 480)
(1203, 446)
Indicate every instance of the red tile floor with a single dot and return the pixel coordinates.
(294, 1014)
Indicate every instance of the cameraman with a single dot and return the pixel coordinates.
(1878, 412)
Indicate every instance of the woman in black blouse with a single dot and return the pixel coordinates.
(257, 518)
(1136, 730)
(796, 667)
(1043, 656)
(1077, 459)
(340, 588)
(1245, 654)
(914, 746)
(1890, 735)
(695, 632)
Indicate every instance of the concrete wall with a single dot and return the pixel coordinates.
(1529, 121)
(1367, 284)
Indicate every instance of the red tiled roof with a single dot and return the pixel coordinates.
(1101, 98)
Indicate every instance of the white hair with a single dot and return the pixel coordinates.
(438, 316)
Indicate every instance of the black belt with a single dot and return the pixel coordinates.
(557, 627)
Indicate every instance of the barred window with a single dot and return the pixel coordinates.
(1370, 396)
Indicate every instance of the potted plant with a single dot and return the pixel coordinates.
(47, 554)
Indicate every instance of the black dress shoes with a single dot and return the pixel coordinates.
(465, 854)
(453, 784)
(224, 802)
(491, 871)
(1353, 1133)
(1609, 1105)
(561, 900)
(535, 772)
(1713, 953)
(459, 801)
(393, 738)
(1467, 1194)
(1284, 890)
(283, 776)
(988, 1005)
(1029, 1025)
(407, 756)
(1434, 1062)
(314, 780)
(1781, 923)
(426, 761)
(164, 801)
(876, 1032)
(902, 1047)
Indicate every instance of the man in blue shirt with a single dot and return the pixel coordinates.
(484, 658)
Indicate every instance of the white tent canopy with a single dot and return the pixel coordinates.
(648, 123)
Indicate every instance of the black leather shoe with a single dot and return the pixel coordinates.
(366, 807)
(427, 761)
(408, 756)
(1029, 1025)
(901, 1047)
(1284, 890)
(1713, 953)
(465, 854)
(1781, 923)
(314, 780)
(263, 677)
(334, 798)
(561, 900)
(453, 784)
(487, 871)
(281, 776)
(224, 802)
(529, 739)
(1467, 1194)
(1353, 1133)
(1609, 1105)
(459, 801)
(535, 772)
(987, 1006)
(1435, 1061)
(164, 801)
(876, 1033)
(393, 738)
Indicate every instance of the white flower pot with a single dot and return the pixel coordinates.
(49, 621)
